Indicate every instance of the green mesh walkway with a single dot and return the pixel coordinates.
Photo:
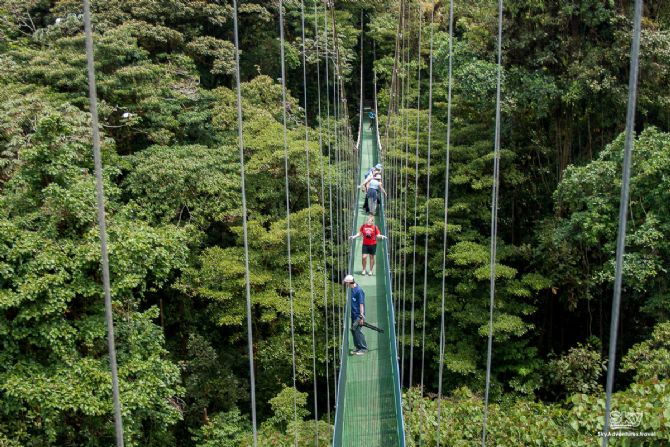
(368, 405)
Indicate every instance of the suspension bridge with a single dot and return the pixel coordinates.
(367, 395)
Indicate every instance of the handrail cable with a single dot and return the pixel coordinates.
(494, 225)
(446, 215)
(100, 201)
(240, 134)
(288, 207)
(392, 318)
(309, 223)
(623, 210)
(425, 254)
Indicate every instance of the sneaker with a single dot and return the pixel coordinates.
(353, 352)
(369, 273)
(360, 352)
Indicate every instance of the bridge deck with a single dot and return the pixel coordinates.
(369, 408)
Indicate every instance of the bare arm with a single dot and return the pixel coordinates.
(362, 309)
(357, 235)
(382, 188)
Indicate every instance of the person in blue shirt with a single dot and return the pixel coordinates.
(357, 315)
(372, 117)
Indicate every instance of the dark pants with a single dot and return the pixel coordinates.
(372, 200)
(359, 339)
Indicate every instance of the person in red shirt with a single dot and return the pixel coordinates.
(370, 233)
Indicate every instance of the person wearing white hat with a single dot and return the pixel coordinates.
(357, 315)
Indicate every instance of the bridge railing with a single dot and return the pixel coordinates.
(397, 393)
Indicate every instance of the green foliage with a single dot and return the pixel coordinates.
(650, 359)
(578, 371)
(168, 119)
(523, 422)
(192, 184)
(288, 406)
(584, 233)
(222, 429)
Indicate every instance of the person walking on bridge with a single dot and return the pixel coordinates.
(357, 315)
(374, 185)
(376, 169)
(370, 174)
(372, 116)
(370, 233)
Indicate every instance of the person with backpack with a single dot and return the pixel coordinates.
(374, 186)
(376, 169)
(369, 175)
(370, 233)
(372, 115)
(357, 315)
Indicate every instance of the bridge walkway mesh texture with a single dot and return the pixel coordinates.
(368, 408)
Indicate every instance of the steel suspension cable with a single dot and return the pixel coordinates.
(446, 215)
(330, 202)
(323, 207)
(425, 248)
(338, 201)
(405, 192)
(623, 210)
(416, 199)
(393, 99)
(240, 134)
(288, 207)
(102, 224)
(338, 106)
(309, 222)
(494, 225)
(402, 281)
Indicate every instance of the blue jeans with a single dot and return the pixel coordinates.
(372, 200)
(359, 339)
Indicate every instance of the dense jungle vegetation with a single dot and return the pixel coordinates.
(165, 76)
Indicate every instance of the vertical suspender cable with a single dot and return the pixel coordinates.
(623, 210)
(323, 209)
(330, 200)
(309, 223)
(360, 92)
(250, 339)
(416, 199)
(405, 185)
(494, 225)
(100, 198)
(446, 215)
(425, 248)
(337, 106)
(398, 173)
(288, 206)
